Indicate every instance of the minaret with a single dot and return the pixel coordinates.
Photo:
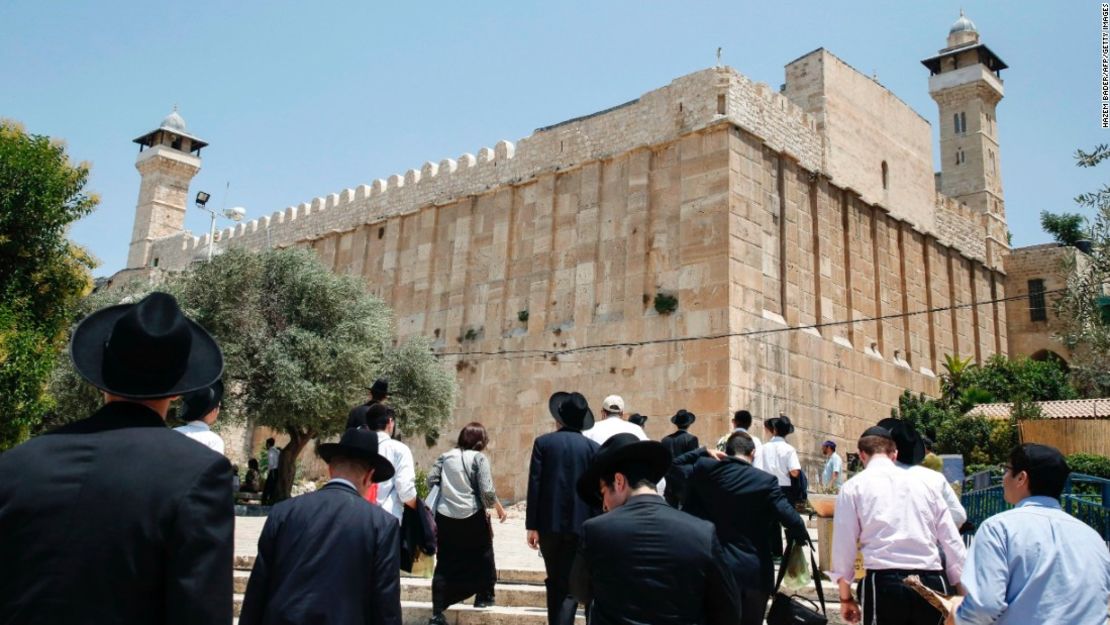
(168, 159)
(966, 82)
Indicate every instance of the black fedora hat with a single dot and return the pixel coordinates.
(683, 418)
(617, 451)
(911, 447)
(145, 350)
(638, 419)
(359, 443)
(198, 404)
(571, 410)
(380, 386)
(782, 422)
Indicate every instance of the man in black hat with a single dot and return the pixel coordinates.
(643, 561)
(742, 502)
(200, 409)
(330, 556)
(116, 518)
(679, 442)
(379, 391)
(555, 513)
(897, 521)
(911, 453)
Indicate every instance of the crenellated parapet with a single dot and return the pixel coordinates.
(688, 104)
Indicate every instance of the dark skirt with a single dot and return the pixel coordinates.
(464, 560)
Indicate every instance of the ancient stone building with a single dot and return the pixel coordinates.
(818, 264)
(1034, 277)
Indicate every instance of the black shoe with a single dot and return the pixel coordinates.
(484, 602)
(438, 619)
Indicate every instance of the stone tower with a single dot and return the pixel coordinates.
(966, 82)
(168, 159)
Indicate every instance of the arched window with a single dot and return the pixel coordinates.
(886, 176)
(963, 122)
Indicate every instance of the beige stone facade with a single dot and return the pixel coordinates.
(1032, 318)
(796, 229)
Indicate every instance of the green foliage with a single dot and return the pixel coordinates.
(522, 316)
(421, 390)
(1090, 464)
(665, 303)
(1065, 228)
(924, 413)
(42, 274)
(1081, 328)
(301, 344)
(968, 435)
(964, 385)
(422, 484)
(1005, 380)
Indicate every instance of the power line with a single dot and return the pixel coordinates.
(556, 353)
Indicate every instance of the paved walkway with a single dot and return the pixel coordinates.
(509, 540)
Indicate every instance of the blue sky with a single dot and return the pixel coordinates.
(302, 99)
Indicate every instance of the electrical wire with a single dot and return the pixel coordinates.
(557, 353)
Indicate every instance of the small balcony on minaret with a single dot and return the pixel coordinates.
(172, 134)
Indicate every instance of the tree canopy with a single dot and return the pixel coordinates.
(42, 274)
(1082, 307)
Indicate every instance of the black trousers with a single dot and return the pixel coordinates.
(558, 556)
(753, 606)
(464, 560)
(885, 600)
(269, 491)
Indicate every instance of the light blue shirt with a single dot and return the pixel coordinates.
(1033, 565)
(833, 465)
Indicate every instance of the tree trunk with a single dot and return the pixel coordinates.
(287, 467)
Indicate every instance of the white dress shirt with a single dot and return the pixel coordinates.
(273, 458)
(779, 458)
(607, 427)
(394, 492)
(897, 519)
(200, 432)
(938, 481)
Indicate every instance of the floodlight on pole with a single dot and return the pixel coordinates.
(235, 213)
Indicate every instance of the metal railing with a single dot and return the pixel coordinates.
(1085, 497)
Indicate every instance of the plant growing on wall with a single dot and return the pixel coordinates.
(665, 303)
(522, 316)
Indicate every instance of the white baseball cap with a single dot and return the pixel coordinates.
(613, 404)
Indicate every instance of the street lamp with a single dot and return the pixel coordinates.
(234, 213)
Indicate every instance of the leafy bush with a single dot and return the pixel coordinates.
(1065, 228)
(1090, 464)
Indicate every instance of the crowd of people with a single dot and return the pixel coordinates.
(635, 530)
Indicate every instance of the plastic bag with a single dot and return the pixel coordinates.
(797, 569)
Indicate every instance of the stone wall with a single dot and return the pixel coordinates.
(689, 103)
(713, 190)
(1048, 262)
(867, 128)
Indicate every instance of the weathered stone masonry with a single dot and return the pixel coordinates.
(715, 189)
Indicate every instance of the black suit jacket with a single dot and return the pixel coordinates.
(647, 563)
(326, 557)
(742, 502)
(558, 460)
(115, 519)
(678, 443)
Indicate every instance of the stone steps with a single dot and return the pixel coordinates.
(520, 595)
